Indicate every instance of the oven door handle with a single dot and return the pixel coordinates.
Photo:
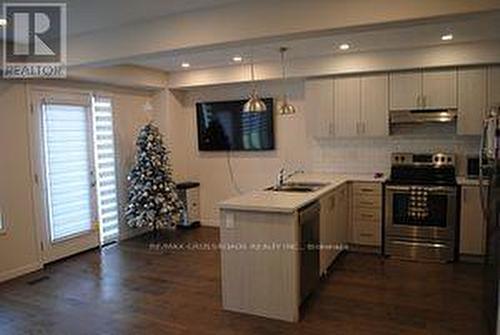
(421, 244)
(398, 188)
(441, 189)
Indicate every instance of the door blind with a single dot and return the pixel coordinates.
(68, 169)
(104, 149)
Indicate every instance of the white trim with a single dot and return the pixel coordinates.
(49, 251)
(11, 274)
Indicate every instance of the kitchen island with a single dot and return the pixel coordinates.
(261, 239)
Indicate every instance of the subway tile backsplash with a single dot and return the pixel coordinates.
(373, 154)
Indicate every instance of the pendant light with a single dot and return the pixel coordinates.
(285, 108)
(254, 103)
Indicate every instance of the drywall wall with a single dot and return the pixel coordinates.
(295, 148)
(18, 247)
(251, 170)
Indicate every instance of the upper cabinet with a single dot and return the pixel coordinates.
(472, 100)
(361, 106)
(427, 89)
(494, 86)
(358, 105)
(319, 106)
(347, 109)
(405, 90)
(439, 89)
(375, 105)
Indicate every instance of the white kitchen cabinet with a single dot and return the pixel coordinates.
(366, 218)
(472, 223)
(347, 106)
(326, 222)
(472, 100)
(341, 215)
(405, 90)
(494, 86)
(423, 89)
(439, 88)
(319, 106)
(334, 219)
(361, 106)
(374, 105)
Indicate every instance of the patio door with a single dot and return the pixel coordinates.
(65, 174)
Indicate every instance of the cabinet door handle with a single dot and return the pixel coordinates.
(366, 234)
(424, 101)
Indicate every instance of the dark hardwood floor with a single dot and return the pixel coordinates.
(130, 289)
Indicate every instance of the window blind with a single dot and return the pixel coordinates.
(104, 151)
(68, 169)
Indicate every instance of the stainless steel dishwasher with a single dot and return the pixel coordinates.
(309, 249)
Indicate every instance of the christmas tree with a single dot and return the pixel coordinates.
(152, 198)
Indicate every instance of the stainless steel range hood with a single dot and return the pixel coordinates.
(423, 116)
(423, 121)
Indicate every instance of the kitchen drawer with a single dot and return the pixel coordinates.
(367, 214)
(362, 189)
(366, 233)
(367, 201)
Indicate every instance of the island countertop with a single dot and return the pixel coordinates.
(289, 202)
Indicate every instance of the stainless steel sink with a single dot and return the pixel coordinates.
(297, 187)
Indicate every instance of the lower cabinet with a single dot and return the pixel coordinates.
(334, 218)
(366, 217)
(472, 223)
(352, 213)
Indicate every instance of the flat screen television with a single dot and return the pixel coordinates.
(223, 126)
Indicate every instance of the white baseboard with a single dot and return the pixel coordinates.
(11, 274)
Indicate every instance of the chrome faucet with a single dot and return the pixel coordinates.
(283, 176)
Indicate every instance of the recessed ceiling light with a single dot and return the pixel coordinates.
(344, 46)
(237, 59)
(185, 65)
(3, 22)
(447, 37)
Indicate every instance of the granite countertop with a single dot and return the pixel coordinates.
(289, 202)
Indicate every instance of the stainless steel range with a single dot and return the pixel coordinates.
(421, 207)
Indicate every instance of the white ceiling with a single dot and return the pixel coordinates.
(473, 28)
(91, 15)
